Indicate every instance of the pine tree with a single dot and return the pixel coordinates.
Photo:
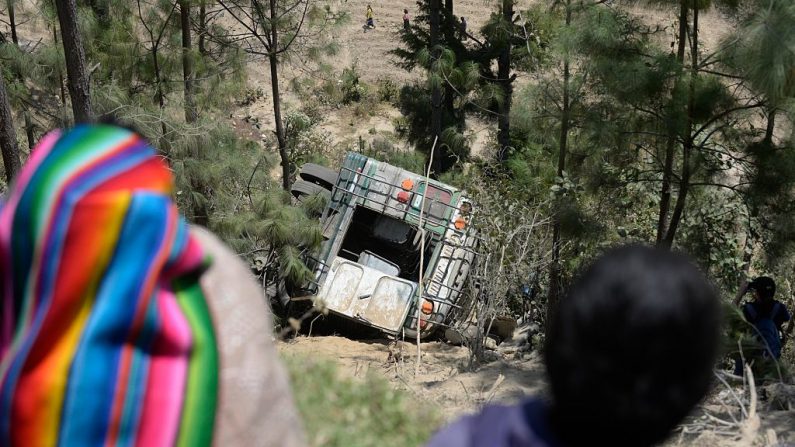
(78, 81)
(8, 136)
(760, 52)
(568, 97)
(275, 29)
(187, 62)
(15, 40)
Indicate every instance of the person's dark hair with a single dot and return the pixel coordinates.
(631, 348)
(765, 286)
(405, 11)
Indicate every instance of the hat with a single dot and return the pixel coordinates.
(764, 285)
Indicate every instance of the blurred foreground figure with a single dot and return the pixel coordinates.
(120, 324)
(630, 352)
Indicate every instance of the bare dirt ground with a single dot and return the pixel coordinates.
(444, 378)
(369, 52)
(446, 381)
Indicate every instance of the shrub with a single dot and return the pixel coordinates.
(352, 89)
(251, 96)
(384, 150)
(342, 411)
(388, 91)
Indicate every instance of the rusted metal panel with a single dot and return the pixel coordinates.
(366, 294)
(389, 303)
(341, 284)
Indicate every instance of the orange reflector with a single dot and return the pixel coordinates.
(460, 223)
(407, 184)
(403, 197)
(427, 307)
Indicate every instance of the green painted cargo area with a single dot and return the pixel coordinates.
(368, 268)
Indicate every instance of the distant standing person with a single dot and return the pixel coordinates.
(370, 24)
(463, 28)
(406, 19)
(768, 315)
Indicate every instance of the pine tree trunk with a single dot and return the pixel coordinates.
(202, 27)
(75, 60)
(665, 194)
(742, 282)
(60, 73)
(12, 22)
(670, 143)
(161, 101)
(15, 39)
(29, 130)
(503, 74)
(555, 286)
(449, 29)
(187, 63)
(687, 149)
(8, 136)
(436, 93)
(771, 125)
(682, 44)
(281, 137)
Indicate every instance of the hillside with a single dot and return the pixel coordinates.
(610, 126)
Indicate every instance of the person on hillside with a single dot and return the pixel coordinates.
(370, 24)
(629, 353)
(406, 19)
(122, 324)
(767, 315)
(462, 28)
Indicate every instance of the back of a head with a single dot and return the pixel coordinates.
(631, 348)
(765, 286)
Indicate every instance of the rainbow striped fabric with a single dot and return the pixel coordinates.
(105, 334)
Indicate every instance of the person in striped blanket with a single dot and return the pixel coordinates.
(121, 325)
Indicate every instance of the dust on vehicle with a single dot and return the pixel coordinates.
(369, 266)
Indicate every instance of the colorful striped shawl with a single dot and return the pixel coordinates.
(105, 335)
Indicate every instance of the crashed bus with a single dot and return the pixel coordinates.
(368, 267)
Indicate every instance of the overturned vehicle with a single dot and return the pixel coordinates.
(369, 266)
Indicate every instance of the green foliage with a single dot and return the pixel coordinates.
(761, 49)
(388, 91)
(414, 100)
(306, 143)
(275, 234)
(383, 150)
(338, 410)
(709, 233)
(352, 89)
(449, 68)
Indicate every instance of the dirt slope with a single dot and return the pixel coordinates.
(443, 378)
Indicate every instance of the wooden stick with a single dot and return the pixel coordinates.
(422, 256)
